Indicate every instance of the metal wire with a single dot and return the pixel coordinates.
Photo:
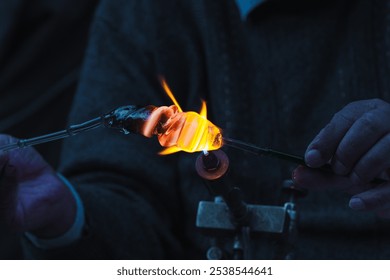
(70, 131)
(259, 151)
(262, 151)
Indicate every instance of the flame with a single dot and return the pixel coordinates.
(203, 110)
(169, 93)
(187, 131)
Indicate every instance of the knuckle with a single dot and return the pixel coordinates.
(370, 123)
(354, 104)
(342, 117)
(341, 163)
(338, 115)
(376, 102)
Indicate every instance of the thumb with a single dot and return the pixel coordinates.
(377, 199)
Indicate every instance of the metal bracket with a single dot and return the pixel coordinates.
(215, 218)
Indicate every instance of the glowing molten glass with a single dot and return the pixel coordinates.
(176, 130)
(187, 131)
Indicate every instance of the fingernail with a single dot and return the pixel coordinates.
(294, 174)
(313, 158)
(357, 204)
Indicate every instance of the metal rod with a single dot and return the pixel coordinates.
(263, 151)
(281, 155)
(70, 131)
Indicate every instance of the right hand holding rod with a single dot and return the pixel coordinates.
(356, 143)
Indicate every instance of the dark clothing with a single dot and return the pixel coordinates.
(42, 44)
(274, 80)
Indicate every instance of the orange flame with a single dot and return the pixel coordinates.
(183, 131)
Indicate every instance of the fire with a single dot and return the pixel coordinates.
(176, 130)
(188, 131)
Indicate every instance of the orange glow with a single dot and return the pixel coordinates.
(203, 111)
(170, 94)
(182, 131)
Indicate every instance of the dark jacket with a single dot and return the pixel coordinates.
(274, 80)
(42, 43)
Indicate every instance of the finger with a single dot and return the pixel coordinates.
(384, 213)
(317, 179)
(375, 162)
(358, 140)
(324, 145)
(377, 199)
(314, 179)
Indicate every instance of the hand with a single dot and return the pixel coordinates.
(356, 143)
(32, 197)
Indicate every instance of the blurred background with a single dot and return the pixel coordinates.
(42, 44)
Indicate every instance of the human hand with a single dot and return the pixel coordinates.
(356, 143)
(32, 197)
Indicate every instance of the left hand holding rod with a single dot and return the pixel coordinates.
(32, 197)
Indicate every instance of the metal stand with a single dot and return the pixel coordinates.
(229, 216)
(291, 207)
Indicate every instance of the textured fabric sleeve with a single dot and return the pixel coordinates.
(128, 191)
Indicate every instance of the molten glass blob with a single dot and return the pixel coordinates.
(177, 131)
